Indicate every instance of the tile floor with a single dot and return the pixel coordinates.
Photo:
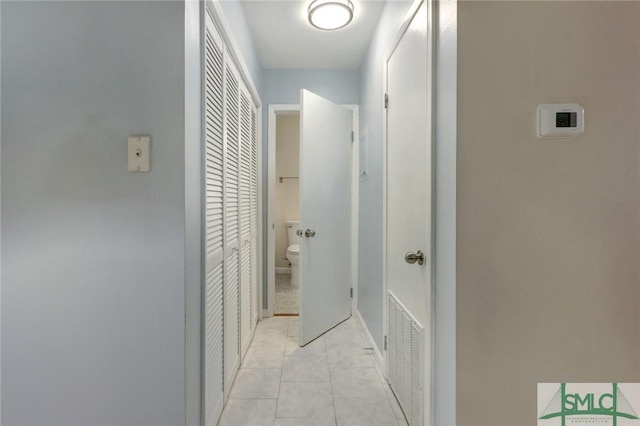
(286, 295)
(333, 381)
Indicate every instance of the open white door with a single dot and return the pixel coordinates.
(325, 215)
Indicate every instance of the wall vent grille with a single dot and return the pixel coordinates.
(406, 360)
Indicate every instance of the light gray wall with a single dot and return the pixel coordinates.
(93, 257)
(370, 216)
(548, 230)
(193, 210)
(241, 34)
(282, 86)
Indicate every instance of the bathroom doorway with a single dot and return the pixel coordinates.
(273, 182)
(287, 213)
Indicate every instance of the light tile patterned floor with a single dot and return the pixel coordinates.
(286, 295)
(332, 381)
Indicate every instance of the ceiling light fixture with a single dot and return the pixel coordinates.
(330, 14)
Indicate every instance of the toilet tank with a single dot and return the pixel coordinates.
(292, 227)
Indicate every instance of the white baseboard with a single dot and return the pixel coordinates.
(283, 270)
(377, 355)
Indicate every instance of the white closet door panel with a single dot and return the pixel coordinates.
(245, 296)
(213, 392)
(245, 162)
(245, 219)
(254, 216)
(231, 221)
(232, 154)
(213, 217)
(231, 326)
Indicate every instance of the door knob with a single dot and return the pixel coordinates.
(412, 257)
(309, 233)
(299, 232)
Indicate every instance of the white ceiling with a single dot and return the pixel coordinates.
(284, 38)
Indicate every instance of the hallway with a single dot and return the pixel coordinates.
(331, 381)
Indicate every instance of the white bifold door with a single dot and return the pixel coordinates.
(214, 226)
(325, 215)
(230, 221)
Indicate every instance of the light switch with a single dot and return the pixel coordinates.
(139, 154)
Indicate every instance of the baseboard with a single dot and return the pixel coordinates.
(283, 270)
(377, 355)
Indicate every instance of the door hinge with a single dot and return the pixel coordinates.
(352, 136)
(351, 292)
(385, 343)
(386, 100)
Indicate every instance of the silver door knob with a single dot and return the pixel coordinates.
(412, 257)
(299, 232)
(309, 233)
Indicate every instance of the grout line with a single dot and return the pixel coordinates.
(333, 397)
(275, 415)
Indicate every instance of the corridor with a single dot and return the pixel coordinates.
(332, 381)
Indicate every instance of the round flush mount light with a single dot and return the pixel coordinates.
(330, 14)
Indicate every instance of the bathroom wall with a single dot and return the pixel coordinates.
(93, 257)
(548, 230)
(287, 193)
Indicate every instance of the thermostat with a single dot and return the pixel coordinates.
(560, 120)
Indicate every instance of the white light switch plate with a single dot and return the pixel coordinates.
(139, 154)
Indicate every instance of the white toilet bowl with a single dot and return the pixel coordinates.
(293, 256)
(293, 251)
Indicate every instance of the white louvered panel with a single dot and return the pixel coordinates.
(245, 295)
(213, 147)
(391, 342)
(231, 321)
(254, 282)
(214, 268)
(254, 171)
(254, 215)
(231, 217)
(406, 360)
(245, 215)
(214, 195)
(213, 373)
(417, 343)
(399, 355)
(232, 151)
(245, 162)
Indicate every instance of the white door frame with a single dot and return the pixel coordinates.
(429, 349)
(274, 110)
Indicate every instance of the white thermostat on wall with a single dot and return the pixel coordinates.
(560, 120)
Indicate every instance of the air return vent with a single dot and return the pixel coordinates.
(406, 360)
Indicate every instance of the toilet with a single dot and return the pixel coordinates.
(293, 251)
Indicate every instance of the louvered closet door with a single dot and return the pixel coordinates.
(245, 219)
(254, 216)
(231, 219)
(214, 265)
